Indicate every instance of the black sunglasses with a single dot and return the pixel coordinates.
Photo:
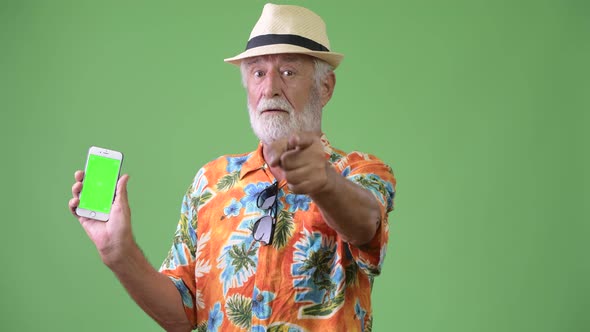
(264, 228)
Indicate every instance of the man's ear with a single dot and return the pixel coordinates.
(327, 88)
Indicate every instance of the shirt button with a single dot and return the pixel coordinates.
(259, 297)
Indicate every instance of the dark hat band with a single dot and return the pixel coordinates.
(296, 40)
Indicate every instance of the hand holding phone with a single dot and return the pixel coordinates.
(101, 174)
(114, 238)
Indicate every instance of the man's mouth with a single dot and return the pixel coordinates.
(273, 111)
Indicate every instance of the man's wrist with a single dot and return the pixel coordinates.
(122, 256)
(329, 187)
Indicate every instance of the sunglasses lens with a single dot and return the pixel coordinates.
(267, 197)
(267, 202)
(262, 230)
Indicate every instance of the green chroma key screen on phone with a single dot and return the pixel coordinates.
(100, 181)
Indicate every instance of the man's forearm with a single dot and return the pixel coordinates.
(349, 209)
(154, 292)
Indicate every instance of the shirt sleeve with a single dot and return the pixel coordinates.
(374, 175)
(179, 265)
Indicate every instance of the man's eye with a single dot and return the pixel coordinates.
(258, 73)
(288, 73)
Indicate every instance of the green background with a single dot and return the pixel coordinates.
(481, 108)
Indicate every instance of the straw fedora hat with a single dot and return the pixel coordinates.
(288, 29)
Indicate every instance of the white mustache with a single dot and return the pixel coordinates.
(274, 103)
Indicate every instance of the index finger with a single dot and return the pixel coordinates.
(275, 150)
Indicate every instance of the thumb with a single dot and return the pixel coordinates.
(121, 196)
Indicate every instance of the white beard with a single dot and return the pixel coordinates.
(273, 126)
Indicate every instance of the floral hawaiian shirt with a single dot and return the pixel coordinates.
(308, 279)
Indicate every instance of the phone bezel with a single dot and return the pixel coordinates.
(94, 150)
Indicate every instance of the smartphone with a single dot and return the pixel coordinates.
(103, 167)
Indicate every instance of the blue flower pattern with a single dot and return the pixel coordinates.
(262, 309)
(298, 202)
(251, 192)
(233, 209)
(235, 163)
(215, 318)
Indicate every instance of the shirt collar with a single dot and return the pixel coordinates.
(256, 158)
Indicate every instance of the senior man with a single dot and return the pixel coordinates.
(287, 237)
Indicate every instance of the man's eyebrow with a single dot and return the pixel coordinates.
(252, 61)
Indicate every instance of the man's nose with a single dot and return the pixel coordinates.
(272, 84)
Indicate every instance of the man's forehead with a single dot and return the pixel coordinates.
(282, 57)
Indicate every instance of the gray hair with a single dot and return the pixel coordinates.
(321, 71)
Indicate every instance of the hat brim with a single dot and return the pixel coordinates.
(330, 57)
